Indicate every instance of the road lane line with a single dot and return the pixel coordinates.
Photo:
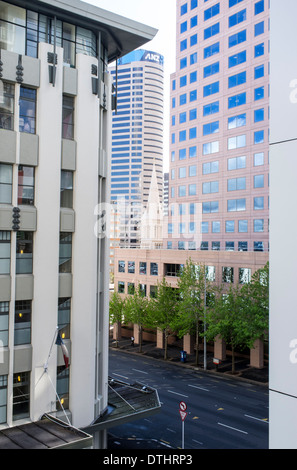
(179, 394)
(234, 429)
(199, 388)
(171, 430)
(257, 419)
(141, 371)
(118, 375)
(197, 442)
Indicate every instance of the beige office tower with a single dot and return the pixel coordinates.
(55, 151)
(137, 140)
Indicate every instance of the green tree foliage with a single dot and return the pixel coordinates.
(241, 315)
(136, 311)
(226, 318)
(256, 294)
(193, 286)
(163, 310)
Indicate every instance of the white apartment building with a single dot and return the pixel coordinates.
(55, 148)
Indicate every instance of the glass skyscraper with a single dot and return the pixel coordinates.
(137, 139)
(219, 178)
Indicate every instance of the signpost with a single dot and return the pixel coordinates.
(183, 414)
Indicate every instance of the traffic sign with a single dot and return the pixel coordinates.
(182, 406)
(183, 415)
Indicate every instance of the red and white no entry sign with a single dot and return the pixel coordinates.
(182, 406)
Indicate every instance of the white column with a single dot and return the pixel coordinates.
(84, 249)
(283, 226)
(46, 239)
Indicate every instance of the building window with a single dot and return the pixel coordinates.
(154, 269)
(21, 395)
(3, 399)
(229, 246)
(65, 257)
(142, 289)
(173, 270)
(68, 118)
(63, 388)
(121, 268)
(64, 309)
(5, 252)
(121, 287)
(4, 314)
(26, 185)
(258, 246)
(216, 246)
(131, 288)
(27, 110)
(22, 322)
(236, 205)
(131, 267)
(142, 267)
(6, 105)
(5, 184)
(228, 275)
(24, 253)
(67, 189)
(259, 225)
(245, 275)
(242, 246)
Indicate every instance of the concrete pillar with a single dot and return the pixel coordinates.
(257, 355)
(188, 344)
(117, 331)
(136, 333)
(220, 349)
(160, 339)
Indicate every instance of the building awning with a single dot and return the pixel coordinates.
(126, 403)
(48, 433)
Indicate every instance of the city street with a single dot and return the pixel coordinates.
(223, 413)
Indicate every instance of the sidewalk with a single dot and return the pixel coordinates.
(242, 369)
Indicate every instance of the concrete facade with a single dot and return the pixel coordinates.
(55, 259)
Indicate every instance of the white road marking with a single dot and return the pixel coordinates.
(199, 388)
(234, 429)
(197, 442)
(118, 375)
(141, 371)
(257, 419)
(179, 394)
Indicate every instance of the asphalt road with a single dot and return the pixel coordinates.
(223, 413)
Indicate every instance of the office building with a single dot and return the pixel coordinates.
(219, 180)
(55, 148)
(283, 171)
(137, 138)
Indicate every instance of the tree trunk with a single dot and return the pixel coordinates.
(140, 338)
(233, 360)
(197, 345)
(166, 346)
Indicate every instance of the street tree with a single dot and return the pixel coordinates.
(136, 311)
(193, 286)
(163, 310)
(227, 318)
(256, 298)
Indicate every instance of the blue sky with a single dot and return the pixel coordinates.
(160, 14)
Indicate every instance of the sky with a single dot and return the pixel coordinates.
(160, 14)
